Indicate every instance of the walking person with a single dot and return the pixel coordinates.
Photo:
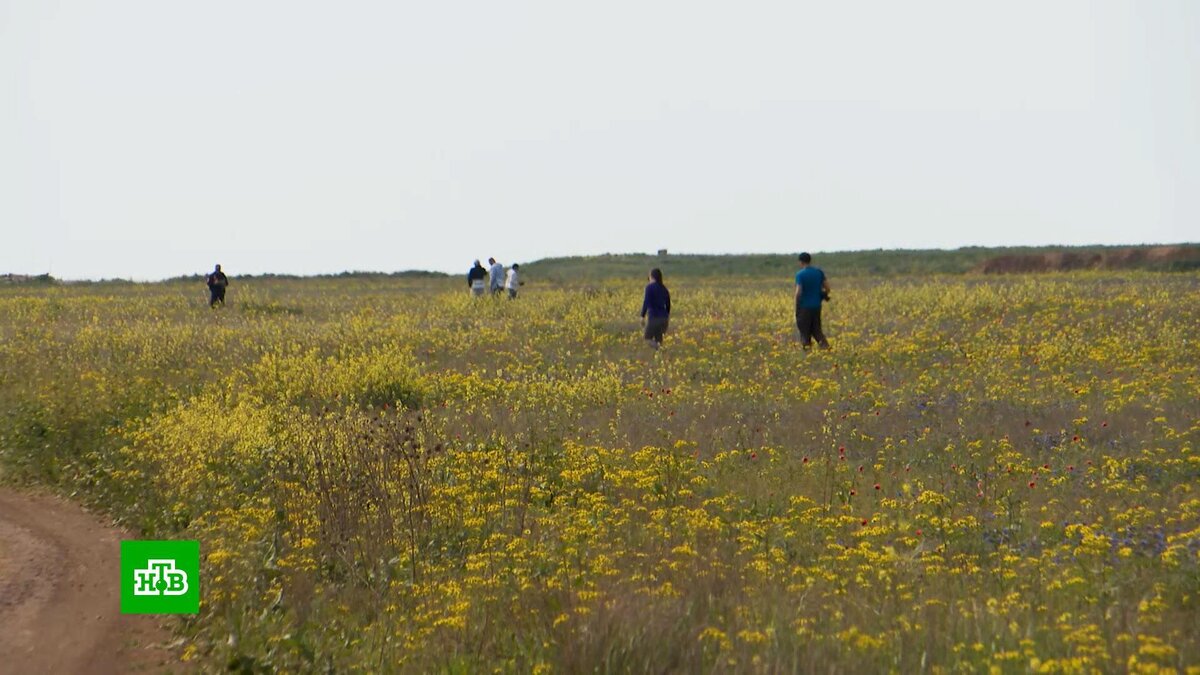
(217, 282)
(475, 279)
(656, 309)
(496, 272)
(511, 282)
(811, 289)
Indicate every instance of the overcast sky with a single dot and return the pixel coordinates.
(151, 138)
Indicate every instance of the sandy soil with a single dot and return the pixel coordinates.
(60, 598)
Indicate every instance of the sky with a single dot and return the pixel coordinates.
(147, 139)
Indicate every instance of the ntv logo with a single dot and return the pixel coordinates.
(160, 577)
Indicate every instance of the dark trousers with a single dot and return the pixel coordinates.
(656, 327)
(809, 322)
(216, 294)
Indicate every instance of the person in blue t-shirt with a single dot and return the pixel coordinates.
(811, 289)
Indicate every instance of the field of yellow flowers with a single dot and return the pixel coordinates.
(386, 475)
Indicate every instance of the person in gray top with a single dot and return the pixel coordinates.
(496, 276)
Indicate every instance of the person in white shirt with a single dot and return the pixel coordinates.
(496, 271)
(511, 281)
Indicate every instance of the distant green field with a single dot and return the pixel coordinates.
(848, 263)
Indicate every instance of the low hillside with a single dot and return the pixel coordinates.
(1164, 258)
(873, 263)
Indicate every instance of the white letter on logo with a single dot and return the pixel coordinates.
(159, 578)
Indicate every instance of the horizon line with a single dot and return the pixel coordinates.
(680, 254)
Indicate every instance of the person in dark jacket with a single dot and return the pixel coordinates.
(217, 282)
(476, 277)
(656, 308)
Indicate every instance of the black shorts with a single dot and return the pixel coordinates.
(656, 327)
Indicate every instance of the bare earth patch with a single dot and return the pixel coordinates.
(60, 594)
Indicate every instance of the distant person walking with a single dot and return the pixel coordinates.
(217, 282)
(656, 308)
(511, 282)
(811, 289)
(496, 272)
(476, 277)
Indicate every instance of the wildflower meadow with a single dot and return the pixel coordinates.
(984, 474)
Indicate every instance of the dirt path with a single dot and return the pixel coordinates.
(59, 594)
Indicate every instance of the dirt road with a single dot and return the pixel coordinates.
(59, 594)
